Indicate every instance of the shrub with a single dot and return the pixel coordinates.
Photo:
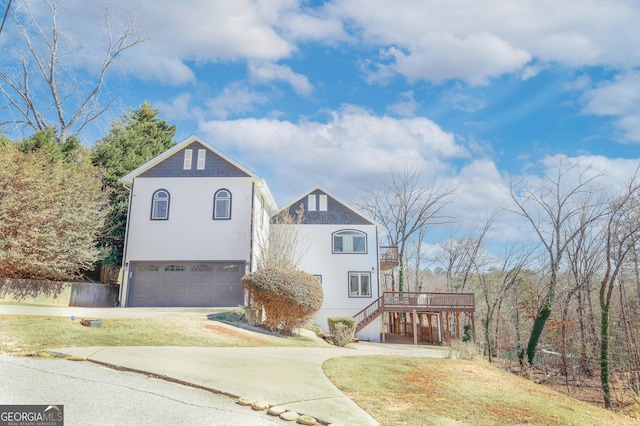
(342, 329)
(466, 334)
(289, 298)
(51, 213)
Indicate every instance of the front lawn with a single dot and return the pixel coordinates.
(426, 391)
(28, 334)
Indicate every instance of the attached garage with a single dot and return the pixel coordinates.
(182, 284)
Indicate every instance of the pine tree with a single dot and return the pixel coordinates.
(133, 139)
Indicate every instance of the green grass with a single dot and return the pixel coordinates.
(423, 391)
(394, 390)
(28, 334)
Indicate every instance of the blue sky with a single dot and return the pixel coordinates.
(338, 92)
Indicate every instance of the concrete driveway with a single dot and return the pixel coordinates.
(287, 376)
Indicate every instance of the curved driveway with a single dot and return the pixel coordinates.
(290, 376)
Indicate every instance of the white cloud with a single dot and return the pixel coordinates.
(474, 58)
(620, 99)
(406, 106)
(475, 41)
(461, 100)
(266, 72)
(349, 151)
(235, 99)
(431, 40)
(610, 173)
(481, 190)
(313, 27)
(582, 82)
(179, 108)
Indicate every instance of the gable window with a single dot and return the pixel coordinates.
(311, 203)
(222, 204)
(160, 205)
(202, 156)
(349, 242)
(323, 202)
(188, 154)
(359, 284)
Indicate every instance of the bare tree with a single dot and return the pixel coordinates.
(461, 257)
(284, 245)
(43, 90)
(550, 209)
(585, 262)
(407, 207)
(495, 285)
(621, 233)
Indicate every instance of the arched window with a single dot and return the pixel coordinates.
(222, 204)
(160, 205)
(349, 241)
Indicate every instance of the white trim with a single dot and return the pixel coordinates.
(188, 155)
(311, 202)
(323, 202)
(358, 292)
(202, 156)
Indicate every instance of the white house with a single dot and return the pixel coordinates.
(194, 215)
(195, 221)
(340, 248)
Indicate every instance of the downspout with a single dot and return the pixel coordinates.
(378, 261)
(383, 313)
(253, 218)
(125, 265)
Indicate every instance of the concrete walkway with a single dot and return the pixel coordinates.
(291, 377)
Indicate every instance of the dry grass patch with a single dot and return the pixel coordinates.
(422, 391)
(28, 334)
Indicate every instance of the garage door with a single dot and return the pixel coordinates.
(186, 284)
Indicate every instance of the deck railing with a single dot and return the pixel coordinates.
(406, 301)
(369, 312)
(421, 300)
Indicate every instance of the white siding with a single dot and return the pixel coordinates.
(335, 268)
(190, 233)
(260, 229)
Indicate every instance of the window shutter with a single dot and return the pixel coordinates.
(202, 155)
(188, 153)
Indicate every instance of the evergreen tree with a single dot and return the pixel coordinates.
(51, 210)
(133, 139)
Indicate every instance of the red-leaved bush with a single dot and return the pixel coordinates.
(290, 298)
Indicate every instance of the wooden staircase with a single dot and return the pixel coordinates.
(368, 314)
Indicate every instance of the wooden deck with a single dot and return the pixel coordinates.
(428, 302)
(421, 315)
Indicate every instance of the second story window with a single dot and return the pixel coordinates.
(160, 205)
(222, 204)
(349, 241)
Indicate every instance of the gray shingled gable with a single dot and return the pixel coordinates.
(336, 214)
(215, 166)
